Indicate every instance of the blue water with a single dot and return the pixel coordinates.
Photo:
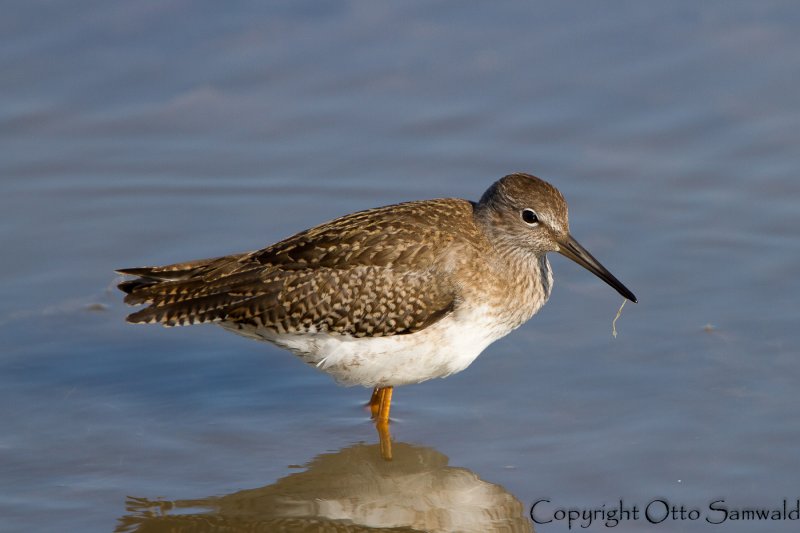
(149, 132)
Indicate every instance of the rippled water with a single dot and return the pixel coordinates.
(151, 132)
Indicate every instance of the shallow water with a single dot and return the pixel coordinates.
(153, 132)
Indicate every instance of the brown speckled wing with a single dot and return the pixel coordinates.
(372, 273)
(364, 301)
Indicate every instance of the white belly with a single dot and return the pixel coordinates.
(444, 348)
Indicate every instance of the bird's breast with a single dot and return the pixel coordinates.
(510, 291)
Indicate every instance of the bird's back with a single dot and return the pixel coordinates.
(374, 273)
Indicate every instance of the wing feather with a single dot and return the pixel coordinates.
(373, 273)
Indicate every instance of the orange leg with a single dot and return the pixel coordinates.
(386, 404)
(379, 404)
(375, 402)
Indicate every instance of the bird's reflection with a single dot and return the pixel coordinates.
(351, 490)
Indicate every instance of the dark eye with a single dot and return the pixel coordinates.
(529, 216)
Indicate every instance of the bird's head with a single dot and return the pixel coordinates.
(526, 213)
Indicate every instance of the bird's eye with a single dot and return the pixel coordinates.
(529, 216)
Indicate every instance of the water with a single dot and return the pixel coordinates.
(151, 132)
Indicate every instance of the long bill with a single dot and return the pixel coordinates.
(572, 249)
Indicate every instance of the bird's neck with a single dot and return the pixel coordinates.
(527, 277)
(514, 285)
(521, 279)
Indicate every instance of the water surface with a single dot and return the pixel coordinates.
(152, 132)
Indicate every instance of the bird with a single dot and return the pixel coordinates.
(383, 297)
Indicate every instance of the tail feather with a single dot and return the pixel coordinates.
(209, 308)
(192, 292)
(162, 293)
(131, 286)
(177, 271)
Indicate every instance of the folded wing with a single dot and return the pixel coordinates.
(364, 275)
